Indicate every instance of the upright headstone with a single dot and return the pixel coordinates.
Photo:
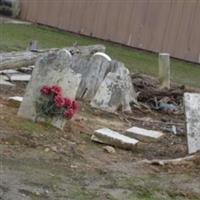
(52, 69)
(192, 112)
(164, 70)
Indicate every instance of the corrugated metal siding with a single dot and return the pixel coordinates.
(171, 26)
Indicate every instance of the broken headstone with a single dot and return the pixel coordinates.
(192, 113)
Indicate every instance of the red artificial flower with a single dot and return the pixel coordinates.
(56, 89)
(68, 102)
(69, 113)
(59, 101)
(45, 89)
(74, 105)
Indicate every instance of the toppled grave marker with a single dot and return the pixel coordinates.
(52, 69)
(192, 113)
(107, 136)
(143, 134)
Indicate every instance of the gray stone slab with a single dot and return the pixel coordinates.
(108, 136)
(143, 134)
(53, 68)
(192, 113)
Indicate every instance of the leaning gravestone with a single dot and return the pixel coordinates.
(192, 112)
(116, 90)
(52, 69)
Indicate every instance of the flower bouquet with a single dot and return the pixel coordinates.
(51, 103)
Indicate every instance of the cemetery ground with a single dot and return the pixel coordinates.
(42, 162)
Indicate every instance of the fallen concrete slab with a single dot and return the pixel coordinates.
(143, 134)
(16, 98)
(4, 81)
(19, 77)
(110, 137)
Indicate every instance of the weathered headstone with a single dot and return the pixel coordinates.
(116, 90)
(192, 113)
(93, 71)
(52, 69)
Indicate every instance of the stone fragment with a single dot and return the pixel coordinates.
(52, 69)
(19, 77)
(4, 81)
(192, 113)
(143, 134)
(109, 149)
(16, 98)
(116, 90)
(107, 136)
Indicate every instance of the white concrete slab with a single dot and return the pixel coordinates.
(108, 136)
(143, 134)
(192, 113)
(16, 98)
(20, 77)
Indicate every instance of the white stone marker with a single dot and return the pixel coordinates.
(143, 134)
(164, 70)
(52, 69)
(192, 113)
(107, 136)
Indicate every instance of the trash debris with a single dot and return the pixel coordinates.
(19, 77)
(107, 136)
(143, 134)
(4, 81)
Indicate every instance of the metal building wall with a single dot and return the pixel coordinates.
(157, 25)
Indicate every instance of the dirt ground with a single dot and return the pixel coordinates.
(41, 162)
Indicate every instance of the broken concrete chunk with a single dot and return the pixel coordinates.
(143, 134)
(4, 81)
(16, 98)
(107, 136)
(109, 149)
(192, 113)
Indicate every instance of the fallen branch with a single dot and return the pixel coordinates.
(175, 161)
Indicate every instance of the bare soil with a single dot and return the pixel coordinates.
(41, 162)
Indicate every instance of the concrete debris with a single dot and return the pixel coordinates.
(107, 136)
(19, 77)
(4, 81)
(109, 149)
(16, 98)
(143, 134)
